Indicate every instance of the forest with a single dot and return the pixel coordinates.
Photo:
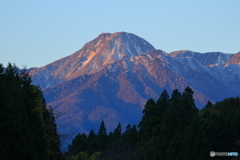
(170, 128)
(27, 127)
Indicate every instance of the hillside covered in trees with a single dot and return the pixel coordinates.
(27, 126)
(171, 128)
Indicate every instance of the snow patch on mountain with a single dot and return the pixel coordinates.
(205, 59)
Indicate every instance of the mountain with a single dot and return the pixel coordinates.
(235, 59)
(206, 58)
(113, 76)
(105, 49)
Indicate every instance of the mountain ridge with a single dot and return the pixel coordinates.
(111, 77)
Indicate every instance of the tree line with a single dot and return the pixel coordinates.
(170, 128)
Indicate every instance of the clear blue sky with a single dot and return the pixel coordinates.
(37, 32)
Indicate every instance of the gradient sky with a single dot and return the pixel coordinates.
(36, 33)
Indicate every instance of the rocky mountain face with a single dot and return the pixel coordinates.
(105, 49)
(235, 59)
(206, 58)
(113, 76)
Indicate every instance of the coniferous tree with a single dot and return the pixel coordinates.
(171, 116)
(187, 109)
(52, 135)
(209, 104)
(91, 136)
(102, 136)
(162, 104)
(117, 132)
(176, 97)
(130, 135)
(172, 126)
(79, 144)
(147, 126)
(188, 101)
(102, 129)
(92, 143)
(163, 100)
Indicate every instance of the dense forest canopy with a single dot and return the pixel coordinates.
(170, 128)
